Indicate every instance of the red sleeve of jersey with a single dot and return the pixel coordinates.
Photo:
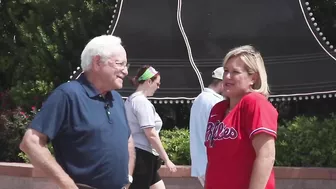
(260, 117)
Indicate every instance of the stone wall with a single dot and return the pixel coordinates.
(25, 176)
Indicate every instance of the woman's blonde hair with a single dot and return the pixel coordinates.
(254, 64)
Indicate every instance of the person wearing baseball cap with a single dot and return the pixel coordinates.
(199, 116)
(218, 73)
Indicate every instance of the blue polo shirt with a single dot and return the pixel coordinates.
(89, 133)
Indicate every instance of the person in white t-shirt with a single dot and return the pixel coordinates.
(199, 116)
(145, 124)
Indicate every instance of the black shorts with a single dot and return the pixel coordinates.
(146, 170)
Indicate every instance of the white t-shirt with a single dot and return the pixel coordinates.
(199, 116)
(141, 114)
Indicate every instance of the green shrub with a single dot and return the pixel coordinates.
(306, 142)
(176, 144)
(302, 142)
(17, 108)
(13, 124)
(6, 102)
(30, 93)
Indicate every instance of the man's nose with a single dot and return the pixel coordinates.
(125, 71)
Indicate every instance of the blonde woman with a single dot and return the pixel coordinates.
(241, 131)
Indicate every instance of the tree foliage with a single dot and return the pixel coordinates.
(41, 42)
(43, 39)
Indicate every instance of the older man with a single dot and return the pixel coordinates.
(85, 121)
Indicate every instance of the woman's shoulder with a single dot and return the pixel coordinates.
(255, 99)
(137, 97)
(139, 100)
(222, 105)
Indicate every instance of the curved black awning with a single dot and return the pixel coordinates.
(299, 59)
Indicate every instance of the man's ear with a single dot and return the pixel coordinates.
(96, 63)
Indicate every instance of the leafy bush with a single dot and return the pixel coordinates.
(30, 93)
(176, 144)
(17, 108)
(301, 142)
(6, 102)
(13, 124)
(306, 142)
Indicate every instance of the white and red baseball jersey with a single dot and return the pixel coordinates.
(229, 141)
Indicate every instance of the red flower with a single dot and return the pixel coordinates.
(23, 114)
(33, 108)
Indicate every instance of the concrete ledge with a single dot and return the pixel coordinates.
(316, 173)
(20, 170)
(25, 176)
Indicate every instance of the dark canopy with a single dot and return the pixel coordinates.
(295, 61)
